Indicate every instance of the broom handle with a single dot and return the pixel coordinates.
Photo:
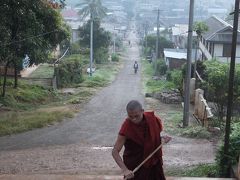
(145, 160)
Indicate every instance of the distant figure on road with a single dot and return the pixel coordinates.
(129, 42)
(140, 134)
(135, 67)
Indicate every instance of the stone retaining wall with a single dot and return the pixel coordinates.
(167, 97)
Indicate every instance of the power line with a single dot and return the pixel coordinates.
(32, 37)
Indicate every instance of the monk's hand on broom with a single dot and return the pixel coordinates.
(128, 174)
(166, 139)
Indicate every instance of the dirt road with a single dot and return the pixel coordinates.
(83, 145)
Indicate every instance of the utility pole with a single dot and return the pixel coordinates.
(196, 57)
(114, 43)
(91, 46)
(189, 60)
(146, 26)
(157, 40)
(226, 159)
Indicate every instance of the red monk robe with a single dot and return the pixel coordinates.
(141, 140)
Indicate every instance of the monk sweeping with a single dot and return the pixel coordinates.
(140, 135)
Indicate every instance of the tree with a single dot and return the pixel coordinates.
(95, 10)
(200, 28)
(101, 38)
(163, 43)
(28, 27)
(216, 85)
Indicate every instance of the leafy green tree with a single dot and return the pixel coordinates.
(216, 86)
(200, 28)
(234, 151)
(163, 43)
(28, 27)
(101, 38)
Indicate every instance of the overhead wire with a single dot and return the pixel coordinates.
(32, 37)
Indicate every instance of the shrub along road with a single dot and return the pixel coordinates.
(83, 144)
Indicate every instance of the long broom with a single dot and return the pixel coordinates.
(147, 158)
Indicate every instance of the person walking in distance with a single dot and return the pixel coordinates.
(140, 135)
(135, 67)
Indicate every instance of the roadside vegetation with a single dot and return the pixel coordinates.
(25, 106)
(214, 84)
(151, 85)
(43, 71)
(32, 106)
(20, 121)
(202, 170)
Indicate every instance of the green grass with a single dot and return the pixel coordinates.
(24, 102)
(43, 71)
(82, 96)
(171, 125)
(203, 170)
(16, 122)
(26, 97)
(150, 85)
(104, 74)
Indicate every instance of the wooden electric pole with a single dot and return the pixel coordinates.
(189, 60)
(226, 158)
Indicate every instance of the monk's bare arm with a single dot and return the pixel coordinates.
(115, 153)
(116, 150)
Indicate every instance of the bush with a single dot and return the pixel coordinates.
(69, 72)
(203, 170)
(75, 48)
(234, 150)
(196, 132)
(115, 58)
(101, 55)
(96, 81)
(177, 79)
(160, 67)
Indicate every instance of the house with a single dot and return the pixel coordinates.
(175, 58)
(179, 34)
(216, 42)
(72, 19)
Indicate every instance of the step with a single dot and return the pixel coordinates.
(87, 177)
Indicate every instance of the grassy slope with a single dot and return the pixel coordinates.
(31, 106)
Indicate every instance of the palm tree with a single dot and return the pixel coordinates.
(96, 11)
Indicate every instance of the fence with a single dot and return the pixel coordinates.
(201, 109)
(49, 83)
(10, 71)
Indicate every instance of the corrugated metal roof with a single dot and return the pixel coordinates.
(178, 53)
(219, 31)
(214, 24)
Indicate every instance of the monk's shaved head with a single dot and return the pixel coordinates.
(134, 105)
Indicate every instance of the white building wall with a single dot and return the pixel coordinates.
(227, 59)
(238, 51)
(218, 50)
